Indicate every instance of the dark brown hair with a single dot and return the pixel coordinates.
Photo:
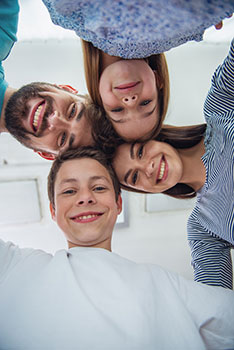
(179, 137)
(81, 152)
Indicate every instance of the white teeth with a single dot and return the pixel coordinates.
(36, 116)
(162, 169)
(87, 216)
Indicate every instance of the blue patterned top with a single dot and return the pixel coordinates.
(137, 28)
(211, 224)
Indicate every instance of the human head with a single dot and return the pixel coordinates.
(154, 68)
(155, 166)
(84, 196)
(48, 118)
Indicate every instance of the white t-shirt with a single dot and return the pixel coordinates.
(90, 298)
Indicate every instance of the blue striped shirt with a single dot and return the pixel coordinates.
(211, 224)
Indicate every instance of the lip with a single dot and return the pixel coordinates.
(86, 217)
(40, 116)
(127, 86)
(165, 173)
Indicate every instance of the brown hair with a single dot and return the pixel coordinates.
(92, 66)
(179, 137)
(81, 152)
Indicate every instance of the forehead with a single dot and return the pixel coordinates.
(82, 170)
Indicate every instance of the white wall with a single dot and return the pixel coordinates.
(158, 237)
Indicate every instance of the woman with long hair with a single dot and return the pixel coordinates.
(133, 93)
(196, 160)
(126, 72)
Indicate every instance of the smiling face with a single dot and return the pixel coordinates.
(153, 167)
(51, 118)
(130, 98)
(85, 204)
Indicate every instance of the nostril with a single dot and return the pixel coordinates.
(133, 97)
(125, 99)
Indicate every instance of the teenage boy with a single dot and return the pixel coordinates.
(87, 297)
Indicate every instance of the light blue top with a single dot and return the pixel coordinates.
(211, 224)
(136, 28)
(9, 10)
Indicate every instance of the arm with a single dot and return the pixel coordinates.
(211, 257)
(9, 11)
(221, 95)
(212, 309)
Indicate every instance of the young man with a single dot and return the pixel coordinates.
(40, 115)
(49, 118)
(87, 297)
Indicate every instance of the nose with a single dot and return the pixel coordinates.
(85, 198)
(56, 121)
(149, 169)
(130, 100)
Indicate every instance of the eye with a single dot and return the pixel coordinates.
(70, 191)
(116, 110)
(146, 102)
(63, 140)
(99, 188)
(73, 112)
(140, 151)
(134, 177)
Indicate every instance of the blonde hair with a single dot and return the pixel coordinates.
(92, 66)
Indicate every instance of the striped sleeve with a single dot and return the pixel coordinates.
(211, 257)
(220, 98)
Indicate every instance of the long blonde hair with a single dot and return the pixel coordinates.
(92, 66)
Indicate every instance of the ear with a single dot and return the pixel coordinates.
(119, 204)
(158, 80)
(52, 212)
(45, 155)
(68, 88)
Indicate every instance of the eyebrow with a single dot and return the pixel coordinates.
(146, 115)
(72, 138)
(132, 157)
(92, 178)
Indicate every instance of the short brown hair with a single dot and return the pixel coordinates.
(81, 152)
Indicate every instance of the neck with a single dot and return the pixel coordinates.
(106, 60)
(194, 172)
(106, 244)
(8, 93)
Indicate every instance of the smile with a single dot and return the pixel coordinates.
(37, 116)
(162, 172)
(86, 217)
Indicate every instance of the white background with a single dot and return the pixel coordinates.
(45, 52)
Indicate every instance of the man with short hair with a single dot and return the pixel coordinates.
(88, 297)
(41, 116)
(49, 118)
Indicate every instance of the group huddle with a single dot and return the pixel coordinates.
(115, 138)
